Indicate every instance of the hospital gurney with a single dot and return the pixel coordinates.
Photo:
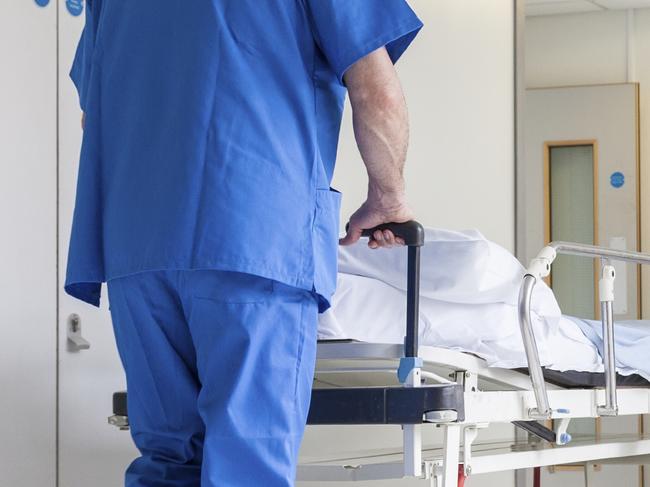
(460, 394)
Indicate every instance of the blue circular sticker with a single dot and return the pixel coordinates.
(75, 7)
(42, 3)
(617, 179)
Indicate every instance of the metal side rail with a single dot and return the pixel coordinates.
(540, 268)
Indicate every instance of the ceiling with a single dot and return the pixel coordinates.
(556, 7)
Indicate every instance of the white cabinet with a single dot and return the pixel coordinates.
(28, 216)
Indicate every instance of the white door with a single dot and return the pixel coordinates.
(581, 172)
(91, 453)
(28, 243)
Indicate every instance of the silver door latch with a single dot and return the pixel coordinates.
(75, 341)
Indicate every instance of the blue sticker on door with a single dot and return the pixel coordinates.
(75, 7)
(617, 179)
(42, 3)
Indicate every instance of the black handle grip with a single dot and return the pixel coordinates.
(411, 232)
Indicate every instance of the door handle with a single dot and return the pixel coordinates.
(75, 341)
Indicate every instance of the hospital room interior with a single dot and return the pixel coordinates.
(505, 344)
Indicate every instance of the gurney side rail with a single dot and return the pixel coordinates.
(540, 268)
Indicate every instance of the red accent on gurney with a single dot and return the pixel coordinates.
(461, 475)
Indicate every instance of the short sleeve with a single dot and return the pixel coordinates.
(348, 30)
(81, 66)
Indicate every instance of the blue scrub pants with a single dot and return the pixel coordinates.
(219, 368)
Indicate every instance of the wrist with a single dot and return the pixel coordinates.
(394, 188)
(387, 197)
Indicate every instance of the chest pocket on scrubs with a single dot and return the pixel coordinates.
(326, 240)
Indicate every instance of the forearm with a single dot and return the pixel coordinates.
(381, 125)
(382, 132)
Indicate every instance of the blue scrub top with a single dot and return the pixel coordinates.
(211, 135)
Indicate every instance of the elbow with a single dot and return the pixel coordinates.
(382, 98)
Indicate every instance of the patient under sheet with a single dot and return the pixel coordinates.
(632, 340)
(469, 292)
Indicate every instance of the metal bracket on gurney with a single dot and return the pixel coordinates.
(469, 436)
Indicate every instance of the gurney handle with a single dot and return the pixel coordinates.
(412, 233)
(412, 302)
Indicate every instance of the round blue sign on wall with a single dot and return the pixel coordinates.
(75, 7)
(617, 179)
(42, 3)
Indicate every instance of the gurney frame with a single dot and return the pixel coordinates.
(414, 386)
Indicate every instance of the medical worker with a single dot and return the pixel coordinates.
(204, 200)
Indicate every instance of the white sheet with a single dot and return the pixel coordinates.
(369, 310)
(457, 267)
(469, 291)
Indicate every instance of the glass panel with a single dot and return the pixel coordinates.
(572, 219)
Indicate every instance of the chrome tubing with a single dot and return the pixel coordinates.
(540, 268)
(569, 248)
(609, 357)
(543, 410)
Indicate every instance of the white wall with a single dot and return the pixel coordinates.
(458, 78)
(576, 49)
(591, 48)
(27, 244)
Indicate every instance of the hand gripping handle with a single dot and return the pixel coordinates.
(411, 232)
